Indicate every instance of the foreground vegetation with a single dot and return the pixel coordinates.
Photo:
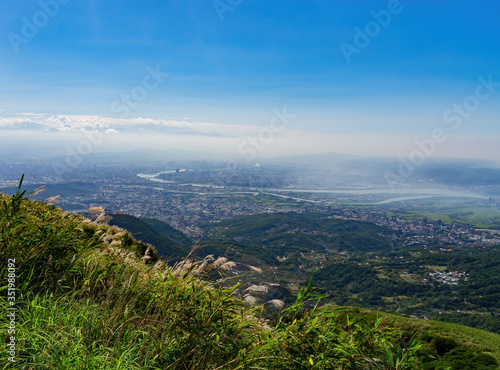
(89, 296)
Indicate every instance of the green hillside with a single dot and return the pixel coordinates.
(89, 296)
(436, 337)
(261, 224)
(142, 231)
(172, 244)
(285, 233)
(401, 281)
(167, 231)
(347, 280)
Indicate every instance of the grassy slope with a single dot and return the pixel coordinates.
(86, 300)
(489, 342)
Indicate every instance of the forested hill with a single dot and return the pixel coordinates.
(285, 233)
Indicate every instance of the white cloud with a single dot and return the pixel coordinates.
(7, 121)
(29, 114)
(87, 122)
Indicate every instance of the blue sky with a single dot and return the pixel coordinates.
(234, 68)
